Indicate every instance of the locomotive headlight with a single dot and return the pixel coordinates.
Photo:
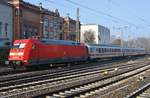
(15, 54)
(25, 61)
(20, 53)
(11, 54)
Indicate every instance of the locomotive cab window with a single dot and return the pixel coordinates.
(16, 45)
(19, 45)
(22, 45)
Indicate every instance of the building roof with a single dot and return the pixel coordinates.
(88, 24)
(94, 25)
(35, 7)
(69, 19)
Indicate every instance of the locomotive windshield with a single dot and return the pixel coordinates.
(19, 45)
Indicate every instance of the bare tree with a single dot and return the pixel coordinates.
(89, 36)
(140, 42)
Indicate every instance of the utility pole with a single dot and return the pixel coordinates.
(41, 20)
(121, 37)
(78, 27)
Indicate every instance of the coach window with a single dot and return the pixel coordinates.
(91, 50)
(96, 49)
(104, 49)
(100, 50)
(117, 50)
(108, 49)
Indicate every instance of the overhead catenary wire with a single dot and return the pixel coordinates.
(74, 8)
(112, 18)
(129, 11)
(101, 12)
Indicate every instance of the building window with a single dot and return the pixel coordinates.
(6, 28)
(51, 24)
(60, 27)
(0, 28)
(46, 23)
(18, 12)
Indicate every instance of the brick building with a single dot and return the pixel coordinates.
(26, 19)
(53, 25)
(69, 29)
(31, 20)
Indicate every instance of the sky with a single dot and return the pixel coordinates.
(132, 17)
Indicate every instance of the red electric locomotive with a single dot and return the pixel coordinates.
(28, 52)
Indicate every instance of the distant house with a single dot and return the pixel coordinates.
(6, 20)
(69, 27)
(96, 33)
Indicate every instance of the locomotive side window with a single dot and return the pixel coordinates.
(33, 46)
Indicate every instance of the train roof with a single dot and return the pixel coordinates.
(59, 42)
(135, 48)
(113, 46)
(103, 45)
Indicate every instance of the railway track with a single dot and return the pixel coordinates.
(33, 76)
(32, 89)
(7, 70)
(142, 92)
(145, 94)
(61, 76)
(11, 79)
(106, 88)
